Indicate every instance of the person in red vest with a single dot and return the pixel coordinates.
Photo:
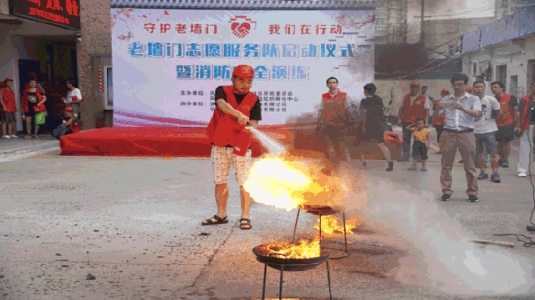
(333, 120)
(415, 105)
(236, 106)
(525, 124)
(439, 122)
(506, 123)
(8, 108)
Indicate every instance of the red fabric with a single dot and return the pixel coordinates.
(223, 128)
(524, 114)
(75, 128)
(334, 108)
(8, 97)
(25, 98)
(143, 141)
(508, 116)
(417, 110)
(441, 120)
(189, 142)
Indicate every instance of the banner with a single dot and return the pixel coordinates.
(168, 63)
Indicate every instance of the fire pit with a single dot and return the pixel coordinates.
(277, 256)
(323, 210)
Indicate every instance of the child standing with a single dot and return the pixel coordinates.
(420, 145)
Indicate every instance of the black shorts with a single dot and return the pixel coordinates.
(7, 116)
(376, 135)
(505, 133)
(419, 151)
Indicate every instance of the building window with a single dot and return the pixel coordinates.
(108, 87)
(531, 73)
(501, 74)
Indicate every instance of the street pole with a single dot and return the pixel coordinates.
(422, 33)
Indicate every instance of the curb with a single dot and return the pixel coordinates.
(27, 152)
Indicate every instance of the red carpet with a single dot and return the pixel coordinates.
(182, 142)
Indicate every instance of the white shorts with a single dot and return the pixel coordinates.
(223, 157)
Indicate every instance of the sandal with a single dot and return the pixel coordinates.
(218, 221)
(246, 225)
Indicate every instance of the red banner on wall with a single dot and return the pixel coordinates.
(64, 13)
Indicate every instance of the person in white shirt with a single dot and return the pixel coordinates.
(74, 97)
(485, 129)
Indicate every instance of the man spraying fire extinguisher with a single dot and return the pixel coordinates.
(236, 106)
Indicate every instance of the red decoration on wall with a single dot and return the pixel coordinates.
(100, 80)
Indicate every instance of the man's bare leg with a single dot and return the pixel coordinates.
(10, 130)
(506, 150)
(494, 162)
(501, 150)
(385, 151)
(481, 162)
(4, 126)
(221, 197)
(245, 198)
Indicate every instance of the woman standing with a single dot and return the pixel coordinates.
(32, 101)
(74, 97)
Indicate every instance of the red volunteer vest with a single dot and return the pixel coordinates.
(414, 111)
(524, 114)
(8, 96)
(223, 128)
(508, 117)
(334, 112)
(441, 120)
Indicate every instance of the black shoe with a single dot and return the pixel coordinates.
(390, 166)
(473, 198)
(445, 197)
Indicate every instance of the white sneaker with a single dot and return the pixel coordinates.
(5, 136)
(14, 136)
(522, 174)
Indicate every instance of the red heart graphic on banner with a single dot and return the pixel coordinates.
(240, 29)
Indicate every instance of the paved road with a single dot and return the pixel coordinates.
(133, 224)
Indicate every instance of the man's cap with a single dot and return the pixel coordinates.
(415, 84)
(243, 71)
(7, 79)
(68, 108)
(444, 90)
(32, 74)
(468, 88)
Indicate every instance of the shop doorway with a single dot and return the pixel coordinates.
(27, 66)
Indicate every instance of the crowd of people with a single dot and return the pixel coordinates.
(467, 120)
(41, 106)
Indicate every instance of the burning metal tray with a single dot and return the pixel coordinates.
(289, 264)
(324, 210)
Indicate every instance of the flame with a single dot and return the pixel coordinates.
(304, 249)
(288, 182)
(329, 225)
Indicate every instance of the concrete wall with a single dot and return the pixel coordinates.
(4, 7)
(439, 32)
(514, 55)
(96, 40)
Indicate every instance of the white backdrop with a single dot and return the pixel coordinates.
(167, 63)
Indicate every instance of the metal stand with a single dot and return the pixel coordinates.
(280, 282)
(319, 214)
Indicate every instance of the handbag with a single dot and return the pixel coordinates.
(40, 118)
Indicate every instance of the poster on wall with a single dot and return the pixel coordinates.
(168, 63)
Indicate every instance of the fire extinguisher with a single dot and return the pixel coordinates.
(243, 141)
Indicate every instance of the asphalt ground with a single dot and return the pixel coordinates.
(133, 224)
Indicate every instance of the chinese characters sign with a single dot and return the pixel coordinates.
(169, 62)
(65, 13)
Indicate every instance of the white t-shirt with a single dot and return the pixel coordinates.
(76, 92)
(486, 123)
